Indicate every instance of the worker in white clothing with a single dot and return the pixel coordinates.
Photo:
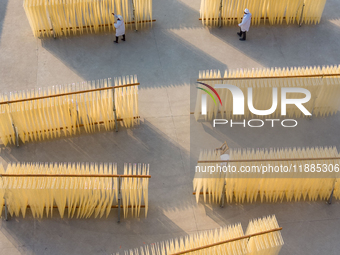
(244, 25)
(224, 157)
(120, 27)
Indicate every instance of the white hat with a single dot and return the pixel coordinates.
(246, 10)
(120, 17)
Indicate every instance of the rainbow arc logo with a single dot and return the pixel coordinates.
(209, 93)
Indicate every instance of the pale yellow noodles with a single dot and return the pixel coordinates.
(2, 190)
(269, 244)
(39, 119)
(325, 91)
(269, 186)
(210, 184)
(135, 189)
(6, 128)
(277, 12)
(82, 196)
(67, 17)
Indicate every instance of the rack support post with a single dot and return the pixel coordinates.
(119, 198)
(223, 195)
(220, 15)
(134, 15)
(331, 196)
(49, 17)
(114, 109)
(303, 7)
(6, 211)
(16, 136)
(314, 100)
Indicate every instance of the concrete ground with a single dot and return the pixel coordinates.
(166, 58)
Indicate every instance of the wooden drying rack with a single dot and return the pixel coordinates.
(268, 159)
(101, 25)
(270, 77)
(119, 176)
(263, 160)
(67, 94)
(228, 241)
(262, 18)
(78, 175)
(226, 147)
(235, 18)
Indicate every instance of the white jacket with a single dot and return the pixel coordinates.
(120, 26)
(245, 24)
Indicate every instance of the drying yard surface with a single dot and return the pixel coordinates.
(166, 59)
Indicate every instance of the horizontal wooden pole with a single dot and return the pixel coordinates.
(259, 192)
(120, 119)
(202, 193)
(269, 77)
(114, 206)
(101, 25)
(129, 206)
(262, 160)
(143, 21)
(77, 175)
(227, 241)
(262, 18)
(68, 93)
(80, 125)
